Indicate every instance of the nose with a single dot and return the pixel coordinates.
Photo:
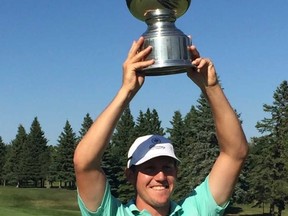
(160, 176)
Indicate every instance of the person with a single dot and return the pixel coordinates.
(154, 174)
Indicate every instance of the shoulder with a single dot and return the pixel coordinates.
(109, 206)
(201, 202)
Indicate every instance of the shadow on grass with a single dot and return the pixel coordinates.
(231, 210)
(237, 211)
(265, 214)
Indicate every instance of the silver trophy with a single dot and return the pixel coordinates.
(170, 45)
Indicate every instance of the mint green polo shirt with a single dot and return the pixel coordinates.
(199, 203)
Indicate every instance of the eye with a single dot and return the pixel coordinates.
(169, 168)
(150, 168)
(151, 171)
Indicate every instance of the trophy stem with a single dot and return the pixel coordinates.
(159, 16)
(170, 45)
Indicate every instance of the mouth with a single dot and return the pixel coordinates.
(160, 187)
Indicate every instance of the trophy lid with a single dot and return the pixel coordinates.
(139, 8)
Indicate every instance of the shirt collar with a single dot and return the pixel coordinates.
(174, 208)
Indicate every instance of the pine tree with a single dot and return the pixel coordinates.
(177, 134)
(261, 170)
(187, 163)
(2, 160)
(155, 123)
(204, 146)
(87, 122)
(177, 137)
(14, 165)
(141, 127)
(122, 139)
(189, 125)
(8, 174)
(66, 147)
(52, 170)
(36, 155)
(275, 147)
(148, 123)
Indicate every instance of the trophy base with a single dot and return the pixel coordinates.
(167, 68)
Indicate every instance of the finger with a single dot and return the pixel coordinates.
(202, 63)
(190, 39)
(142, 54)
(143, 64)
(196, 61)
(205, 62)
(131, 48)
(136, 46)
(194, 53)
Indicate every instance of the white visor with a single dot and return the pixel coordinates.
(147, 147)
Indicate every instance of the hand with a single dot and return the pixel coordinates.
(203, 72)
(133, 80)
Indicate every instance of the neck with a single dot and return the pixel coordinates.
(162, 210)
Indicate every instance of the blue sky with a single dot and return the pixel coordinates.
(62, 59)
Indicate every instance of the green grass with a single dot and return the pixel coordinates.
(252, 211)
(38, 201)
(61, 202)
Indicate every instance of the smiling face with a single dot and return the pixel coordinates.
(154, 181)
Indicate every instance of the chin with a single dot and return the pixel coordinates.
(162, 202)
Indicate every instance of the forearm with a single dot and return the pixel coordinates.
(90, 150)
(232, 143)
(230, 135)
(231, 139)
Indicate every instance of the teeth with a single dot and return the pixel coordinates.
(159, 187)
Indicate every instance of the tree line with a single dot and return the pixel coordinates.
(28, 160)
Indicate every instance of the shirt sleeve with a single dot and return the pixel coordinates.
(201, 202)
(108, 205)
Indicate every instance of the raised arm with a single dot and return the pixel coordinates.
(90, 177)
(232, 142)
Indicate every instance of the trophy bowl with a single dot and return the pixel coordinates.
(170, 45)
